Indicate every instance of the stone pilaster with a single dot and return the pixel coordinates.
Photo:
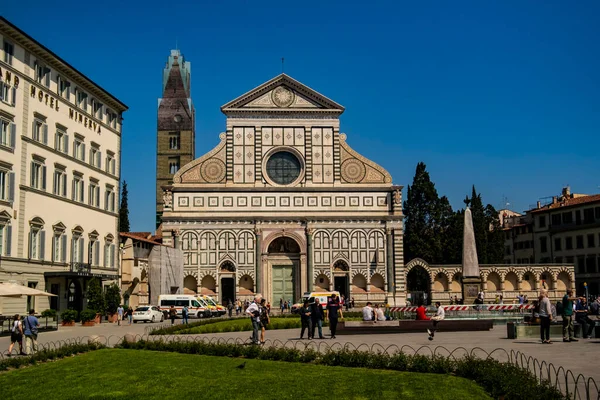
(258, 254)
(309, 259)
(390, 261)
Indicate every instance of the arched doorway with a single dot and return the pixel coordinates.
(322, 283)
(284, 262)
(74, 297)
(341, 283)
(227, 289)
(209, 286)
(493, 282)
(418, 285)
(190, 285)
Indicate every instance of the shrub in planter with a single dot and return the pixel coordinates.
(113, 300)
(87, 317)
(49, 313)
(96, 301)
(68, 317)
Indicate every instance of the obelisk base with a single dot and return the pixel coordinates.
(471, 286)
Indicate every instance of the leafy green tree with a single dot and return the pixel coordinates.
(124, 210)
(95, 296)
(113, 298)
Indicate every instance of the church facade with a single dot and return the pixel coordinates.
(283, 205)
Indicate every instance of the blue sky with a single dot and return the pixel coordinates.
(500, 94)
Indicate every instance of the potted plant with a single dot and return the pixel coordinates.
(88, 317)
(113, 300)
(68, 317)
(49, 313)
(95, 298)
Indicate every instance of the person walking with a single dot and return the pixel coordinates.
(253, 311)
(230, 308)
(333, 309)
(305, 319)
(16, 336)
(172, 314)
(316, 317)
(567, 316)
(264, 320)
(185, 314)
(439, 315)
(120, 312)
(545, 314)
(130, 315)
(31, 324)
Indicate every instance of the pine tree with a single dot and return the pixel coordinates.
(124, 210)
(495, 246)
(422, 218)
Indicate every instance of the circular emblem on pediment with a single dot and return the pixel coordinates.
(353, 171)
(282, 97)
(213, 171)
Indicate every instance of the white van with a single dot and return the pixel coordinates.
(320, 297)
(195, 308)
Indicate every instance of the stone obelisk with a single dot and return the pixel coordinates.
(470, 264)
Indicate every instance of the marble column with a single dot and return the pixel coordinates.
(390, 260)
(258, 260)
(309, 259)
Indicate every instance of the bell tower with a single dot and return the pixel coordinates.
(176, 131)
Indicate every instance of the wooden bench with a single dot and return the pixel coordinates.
(408, 326)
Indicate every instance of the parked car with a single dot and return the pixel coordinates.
(147, 314)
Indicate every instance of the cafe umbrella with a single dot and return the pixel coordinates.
(9, 289)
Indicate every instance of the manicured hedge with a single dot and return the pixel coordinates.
(48, 355)
(497, 378)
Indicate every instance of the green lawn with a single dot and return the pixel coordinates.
(139, 374)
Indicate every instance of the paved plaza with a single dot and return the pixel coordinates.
(579, 357)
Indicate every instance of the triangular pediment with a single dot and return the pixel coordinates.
(282, 94)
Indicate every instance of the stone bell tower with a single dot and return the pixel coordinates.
(176, 132)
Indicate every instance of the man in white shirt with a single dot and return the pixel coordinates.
(440, 314)
(254, 312)
(367, 312)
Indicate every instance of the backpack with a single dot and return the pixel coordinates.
(559, 308)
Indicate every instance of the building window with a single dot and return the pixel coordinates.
(61, 142)
(558, 260)
(556, 219)
(569, 243)
(579, 241)
(569, 259)
(38, 175)
(557, 244)
(59, 244)
(8, 133)
(79, 149)
(109, 252)
(174, 138)
(40, 131)
(590, 241)
(82, 100)
(59, 186)
(7, 185)
(77, 188)
(77, 246)
(5, 234)
(544, 244)
(567, 218)
(9, 52)
(590, 265)
(109, 199)
(597, 212)
(542, 221)
(110, 162)
(7, 94)
(112, 119)
(37, 237)
(94, 194)
(94, 251)
(64, 88)
(42, 74)
(97, 109)
(173, 165)
(95, 156)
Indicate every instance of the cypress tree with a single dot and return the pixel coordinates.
(124, 210)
